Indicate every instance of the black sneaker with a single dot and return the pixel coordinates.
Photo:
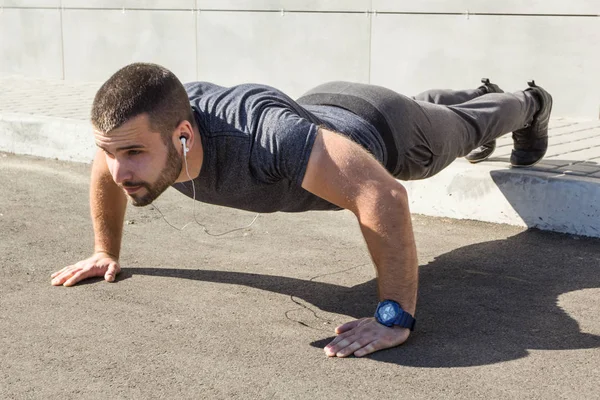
(531, 142)
(484, 151)
(481, 153)
(489, 87)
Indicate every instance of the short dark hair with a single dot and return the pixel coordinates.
(142, 88)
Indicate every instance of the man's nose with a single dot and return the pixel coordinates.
(119, 172)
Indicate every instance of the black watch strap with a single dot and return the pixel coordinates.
(405, 320)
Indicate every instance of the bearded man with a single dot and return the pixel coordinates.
(340, 146)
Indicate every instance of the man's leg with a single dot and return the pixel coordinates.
(452, 97)
(448, 97)
(430, 136)
(454, 131)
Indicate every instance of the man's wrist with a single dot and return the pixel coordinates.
(408, 306)
(390, 314)
(113, 255)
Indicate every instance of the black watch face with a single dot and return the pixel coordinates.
(387, 313)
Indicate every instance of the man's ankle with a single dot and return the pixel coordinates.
(536, 101)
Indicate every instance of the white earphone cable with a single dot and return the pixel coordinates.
(194, 206)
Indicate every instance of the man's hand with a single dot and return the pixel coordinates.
(100, 264)
(364, 336)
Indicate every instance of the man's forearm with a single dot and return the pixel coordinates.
(107, 206)
(387, 229)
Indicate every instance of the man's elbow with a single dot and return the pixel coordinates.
(381, 201)
(399, 194)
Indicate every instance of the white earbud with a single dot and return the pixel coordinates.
(185, 148)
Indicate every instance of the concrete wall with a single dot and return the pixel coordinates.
(407, 45)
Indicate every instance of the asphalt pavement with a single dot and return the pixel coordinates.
(503, 312)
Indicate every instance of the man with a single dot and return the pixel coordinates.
(340, 146)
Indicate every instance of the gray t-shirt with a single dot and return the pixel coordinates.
(257, 142)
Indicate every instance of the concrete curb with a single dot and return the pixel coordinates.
(535, 199)
(50, 137)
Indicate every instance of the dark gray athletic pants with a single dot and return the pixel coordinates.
(426, 133)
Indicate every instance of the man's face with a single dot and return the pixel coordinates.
(139, 161)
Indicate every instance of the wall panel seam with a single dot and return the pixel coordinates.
(294, 11)
(62, 42)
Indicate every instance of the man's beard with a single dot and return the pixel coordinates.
(167, 177)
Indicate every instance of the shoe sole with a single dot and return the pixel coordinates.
(525, 166)
(479, 160)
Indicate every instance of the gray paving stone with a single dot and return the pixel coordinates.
(580, 169)
(579, 155)
(549, 165)
(47, 98)
(574, 147)
(587, 133)
(573, 126)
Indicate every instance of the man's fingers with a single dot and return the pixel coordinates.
(64, 274)
(54, 275)
(345, 337)
(347, 326)
(111, 273)
(340, 337)
(78, 276)
(338, 343)
(370, 348)
(353, 347)
(349, 345)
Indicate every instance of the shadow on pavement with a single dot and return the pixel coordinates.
(480, 304)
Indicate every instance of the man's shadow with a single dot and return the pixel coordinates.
(480, 304)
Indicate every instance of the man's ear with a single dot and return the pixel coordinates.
(183, 130)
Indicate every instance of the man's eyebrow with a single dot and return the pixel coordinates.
(133, 146)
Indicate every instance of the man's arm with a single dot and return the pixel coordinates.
(107, 204)
(343, 173)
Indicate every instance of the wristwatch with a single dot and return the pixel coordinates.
(389, 313)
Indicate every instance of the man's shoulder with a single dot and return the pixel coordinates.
(243, 104)
(202, 88)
